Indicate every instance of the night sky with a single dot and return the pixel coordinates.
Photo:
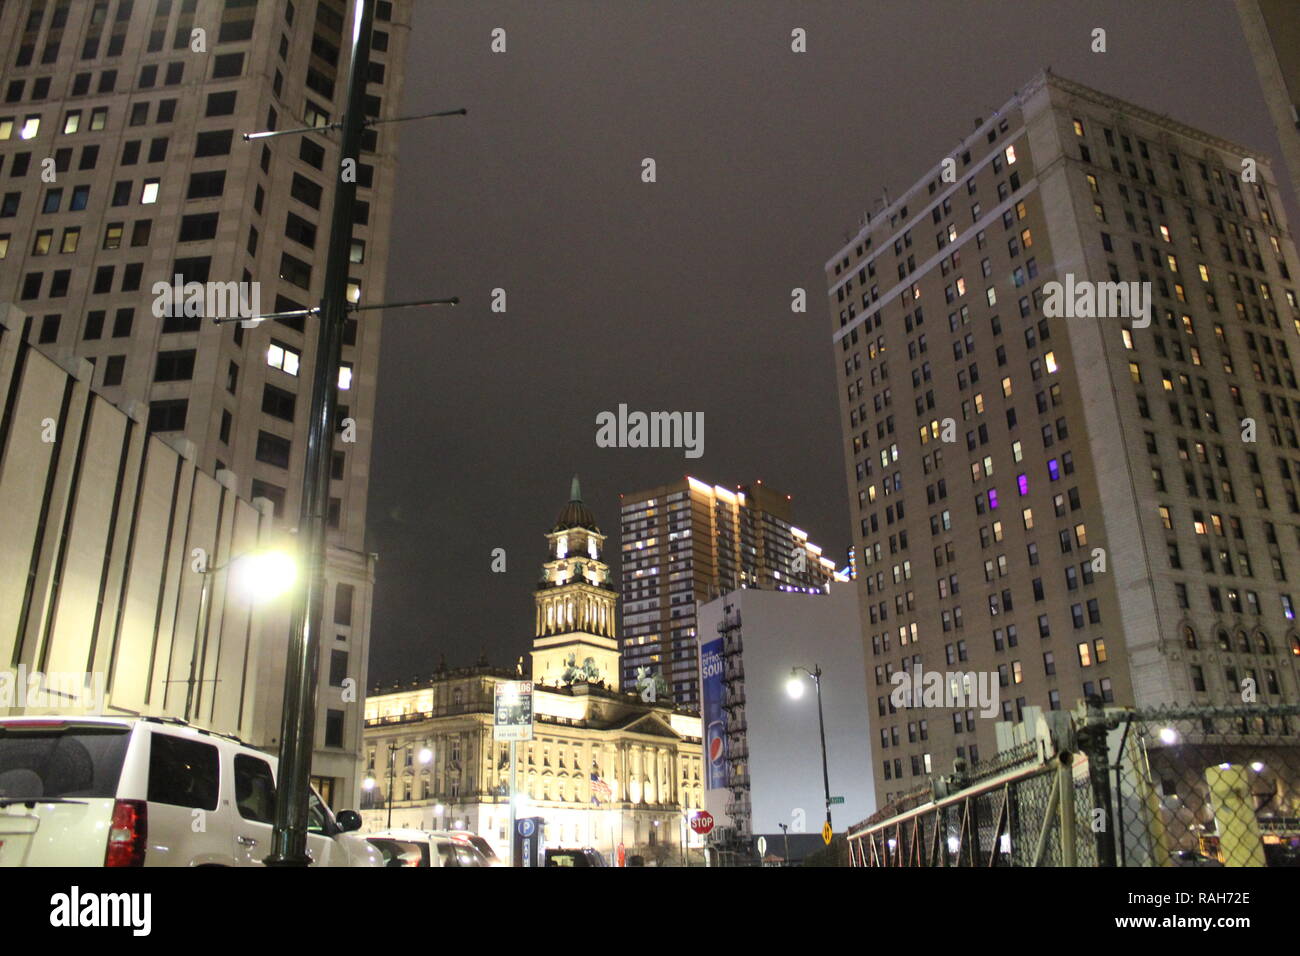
(674, 295)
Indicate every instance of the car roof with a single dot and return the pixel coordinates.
(126, 722)
(403, 833)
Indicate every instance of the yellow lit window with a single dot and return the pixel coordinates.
(1010, 153)
(1128, 338)
(1006, 387)
(1049, 361)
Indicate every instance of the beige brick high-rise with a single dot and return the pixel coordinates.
(141, 107)
(1074, 440)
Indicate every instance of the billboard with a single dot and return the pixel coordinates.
(715, 720)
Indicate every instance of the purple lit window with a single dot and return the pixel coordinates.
(1053, 470)
(1023, 482)
(993, 499)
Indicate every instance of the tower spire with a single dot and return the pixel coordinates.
(575, 492)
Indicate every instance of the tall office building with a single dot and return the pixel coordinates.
(123, 165)
(690, 541)
(1044, 488)
(1272, 30)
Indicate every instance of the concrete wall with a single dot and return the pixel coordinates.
(99, 523)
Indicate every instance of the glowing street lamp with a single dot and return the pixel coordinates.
(795, 688)
(259, 575)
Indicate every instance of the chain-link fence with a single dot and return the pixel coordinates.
(1197, 787)
(1172, 787)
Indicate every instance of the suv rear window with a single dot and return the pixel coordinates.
(183, 773)
(64, 762)
(254, 789)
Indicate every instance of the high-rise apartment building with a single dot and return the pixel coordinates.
(1082, 486)
(689, 541)
(123, 165)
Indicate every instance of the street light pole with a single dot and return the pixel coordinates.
(298, 718)
(205, 597)
(392, 764)
(795, 688)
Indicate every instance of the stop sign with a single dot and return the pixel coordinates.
(702, 822)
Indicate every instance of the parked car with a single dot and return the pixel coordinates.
(476, 841)
(585, 856)
(132, 791)
(397, 852)
(1281, 854)
(435, 848)
(1194, 858)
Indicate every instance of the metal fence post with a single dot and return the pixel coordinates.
(1093, 742)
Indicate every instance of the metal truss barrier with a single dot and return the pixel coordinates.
(1175, 786)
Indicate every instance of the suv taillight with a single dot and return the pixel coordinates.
(127, 834)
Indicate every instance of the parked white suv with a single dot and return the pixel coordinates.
(408, 847)
(147, 791)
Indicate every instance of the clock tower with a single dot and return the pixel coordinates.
(574, 639)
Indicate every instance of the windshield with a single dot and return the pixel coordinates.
(61, 762)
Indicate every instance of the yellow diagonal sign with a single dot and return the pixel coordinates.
(826, 833)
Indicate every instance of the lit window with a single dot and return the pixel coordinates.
(345, 377)
(1010, 153)
(282, 357)
(149, 194)
(71, 122)
(31, 126)
(1128, 338)
(1050, 361)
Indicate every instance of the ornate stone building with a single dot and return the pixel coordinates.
(604, 768)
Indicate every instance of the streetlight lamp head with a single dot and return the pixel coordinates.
(426, 755)
(1168, 735)
(794, 686)
(264, 575)
(368, 783)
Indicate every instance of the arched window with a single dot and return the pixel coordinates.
(1225, 642)
(1243, 642)
(1262, 642)
(1189, 637)
(1295, 644)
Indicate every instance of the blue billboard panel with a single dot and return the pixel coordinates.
(715, 726)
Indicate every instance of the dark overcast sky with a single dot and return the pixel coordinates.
(674, 295)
